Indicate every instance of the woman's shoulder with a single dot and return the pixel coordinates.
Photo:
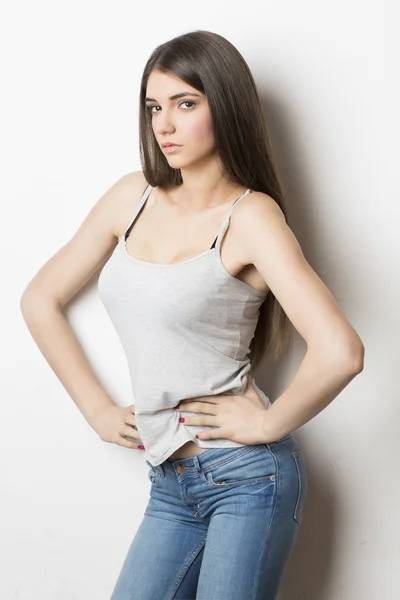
(132, 186)
(134, 183)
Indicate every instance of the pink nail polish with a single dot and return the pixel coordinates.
(141, 447)
(181, 419)
(178, 406)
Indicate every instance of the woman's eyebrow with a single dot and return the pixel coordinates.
(174, 97)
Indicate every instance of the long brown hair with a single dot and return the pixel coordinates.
(211, 64)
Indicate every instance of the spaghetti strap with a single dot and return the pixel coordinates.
(225, 222)
(218, 239)
(141, 202)
(192, 317)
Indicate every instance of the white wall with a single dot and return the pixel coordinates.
(70, 503)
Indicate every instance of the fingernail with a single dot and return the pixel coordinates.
(178, 406)
(141, 447)
(181, 419)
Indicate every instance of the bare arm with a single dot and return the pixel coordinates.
(335, 352)
(58, 280)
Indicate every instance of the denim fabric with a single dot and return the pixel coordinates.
(220, 525)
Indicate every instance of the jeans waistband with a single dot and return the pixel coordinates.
(206, 459)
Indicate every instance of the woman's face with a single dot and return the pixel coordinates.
(185, 120)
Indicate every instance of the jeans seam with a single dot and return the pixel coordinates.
(277, 490)
(300, 490)
(189, 560)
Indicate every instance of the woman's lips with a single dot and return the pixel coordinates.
(169, 149)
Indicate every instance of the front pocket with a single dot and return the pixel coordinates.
(301, 470)
(234, 482)
(255, 466)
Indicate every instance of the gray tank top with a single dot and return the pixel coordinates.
(186, 329)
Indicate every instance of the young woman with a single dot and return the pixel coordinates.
(201, 276)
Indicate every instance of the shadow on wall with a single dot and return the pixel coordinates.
(307, 575)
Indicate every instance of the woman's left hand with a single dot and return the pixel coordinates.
(239, 418)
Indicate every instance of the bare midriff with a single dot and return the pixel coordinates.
(187, 450)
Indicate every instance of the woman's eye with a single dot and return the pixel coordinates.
(187, 102)
(149, 108)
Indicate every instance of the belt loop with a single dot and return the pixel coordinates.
(196, 462)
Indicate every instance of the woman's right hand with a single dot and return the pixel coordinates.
(114, 424)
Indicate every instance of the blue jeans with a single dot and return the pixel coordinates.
(220, 525)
